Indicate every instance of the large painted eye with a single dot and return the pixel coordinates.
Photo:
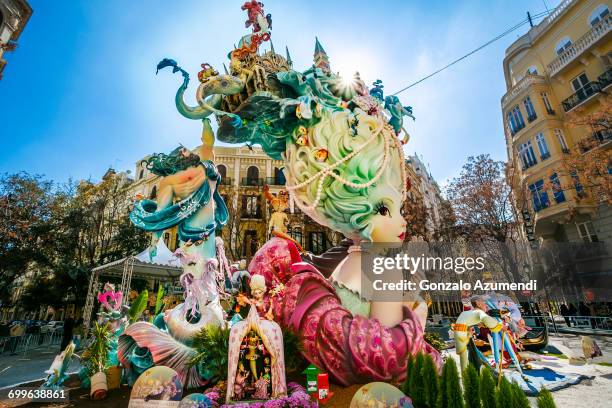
(382, 210)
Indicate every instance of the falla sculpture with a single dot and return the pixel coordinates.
(341, 144)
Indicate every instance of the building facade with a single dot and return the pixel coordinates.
(556, 74)
(424, 187)
(245, 171)
(14, 15)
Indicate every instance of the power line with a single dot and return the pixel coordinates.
(508, 31)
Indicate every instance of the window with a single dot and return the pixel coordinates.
(250, 207)
(153, 195)
(317, 242)
(167, 239)
(527, 155)
(141, 174)
(515, 120)
(561, 139)
(598, 14)
(253, 176)
(557, 190)
(279, 177)
(539, 195)
(547, 104)
(578, 185)
(531, 114)
(541, 141)
(222, 171)
(249, 244)
(296, 233)
(586, 230)
(582, 86)
(532, 70)
(563, 45)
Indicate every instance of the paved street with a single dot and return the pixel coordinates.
(29, 367)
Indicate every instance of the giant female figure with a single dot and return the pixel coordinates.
(344, 167)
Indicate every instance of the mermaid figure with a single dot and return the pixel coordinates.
(187, 198)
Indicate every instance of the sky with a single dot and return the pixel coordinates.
(80, 93)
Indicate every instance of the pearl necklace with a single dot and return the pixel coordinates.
(322, 174)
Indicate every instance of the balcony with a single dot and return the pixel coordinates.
(597, 32)
(251, 181)
(275, 181)
(227, 181)
(581, 95)
(521, 85)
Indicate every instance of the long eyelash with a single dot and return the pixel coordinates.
(378, 206)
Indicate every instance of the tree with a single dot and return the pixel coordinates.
(89, 226)
(545, 399)
(450, 387)
(416, 385)
(416, 215)
(481, 198)
(487, 389)
(471, 382)
(504, 395)
(26, 231)
(519, 397)
(586, 166)
(430, 378)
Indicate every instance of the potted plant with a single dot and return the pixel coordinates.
(94, 359)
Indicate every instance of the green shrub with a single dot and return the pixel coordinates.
(409, 367)
(471, 392)
(518, 396)
(416, 385)
(435, 340)
(504, 395)
(545, 399)
(430, 378)
(450, 388)
(212, 345)
(487, 389)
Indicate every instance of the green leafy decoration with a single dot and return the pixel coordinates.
(138, 306)
(95, 356)
(159, 303)
(294, 362)
(212, 346)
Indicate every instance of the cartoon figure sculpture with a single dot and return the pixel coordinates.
(258, 290)
(277, 225)
(477, 315)
(187, 198)
(57, 372)
(344, 167)
(261, 336)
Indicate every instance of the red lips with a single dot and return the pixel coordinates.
(402, 236)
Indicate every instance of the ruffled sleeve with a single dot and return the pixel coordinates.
(352, 349)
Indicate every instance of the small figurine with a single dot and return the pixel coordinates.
(239, 384)
(320, 155)
(302, 136)
(254, 346)
(277, 225)
(207, 72)
(258, 290)
(261, 388)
